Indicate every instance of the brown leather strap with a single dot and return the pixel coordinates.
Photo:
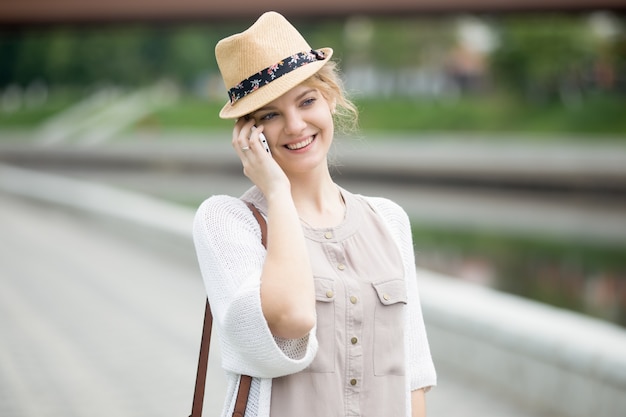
(245, 381)
(261, 220)
(203, 360)
(242, 396)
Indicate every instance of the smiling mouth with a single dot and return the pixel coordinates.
(300, 145)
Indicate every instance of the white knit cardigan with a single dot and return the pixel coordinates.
(228, 245)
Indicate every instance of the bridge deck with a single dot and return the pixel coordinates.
(98, 320)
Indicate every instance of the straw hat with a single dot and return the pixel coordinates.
(264, 62)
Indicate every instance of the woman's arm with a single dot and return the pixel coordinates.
(418, 403)
(231, 259)
(287, 286)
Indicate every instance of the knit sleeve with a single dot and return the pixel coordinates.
(228, 245)
(420, 365)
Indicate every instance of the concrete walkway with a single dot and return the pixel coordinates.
(96, 321)
(100, 319)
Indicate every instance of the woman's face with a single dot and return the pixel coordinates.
(299, 129)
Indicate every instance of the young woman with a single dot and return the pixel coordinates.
(327, 319)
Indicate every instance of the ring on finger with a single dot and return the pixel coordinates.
(245, 148)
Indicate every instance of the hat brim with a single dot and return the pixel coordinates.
(274, 89)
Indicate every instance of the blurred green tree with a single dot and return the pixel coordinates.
(542, 58)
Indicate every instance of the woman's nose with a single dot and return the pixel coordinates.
(294, 123)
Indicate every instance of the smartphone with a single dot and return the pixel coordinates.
(263, 140)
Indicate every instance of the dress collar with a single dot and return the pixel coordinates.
(343, 230)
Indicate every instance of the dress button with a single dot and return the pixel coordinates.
(353, 382)
(328, 235)
(329, 294)
(386, 297)
(353, 299)
(354, 340)
(341, 267)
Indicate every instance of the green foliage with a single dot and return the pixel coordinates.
(535, 52)
(554, 271)
(539, 56)
(597, 115)
(32, 116)
(192, 113)
(541, 72)
(413, 42)
(126, 55)
(324, 33)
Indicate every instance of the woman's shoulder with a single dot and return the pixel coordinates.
(221, 212)
(221, 204)
(217, 204)
(390, 212)
(225, 214)
(387, 208)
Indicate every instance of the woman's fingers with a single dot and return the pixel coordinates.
(241, 136)
(255, 140)
(246, 138)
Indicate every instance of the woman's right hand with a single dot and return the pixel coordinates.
(258, 164)
(287, 289)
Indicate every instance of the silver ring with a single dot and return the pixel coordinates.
(245, 148)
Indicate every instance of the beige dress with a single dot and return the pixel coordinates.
(359, 369)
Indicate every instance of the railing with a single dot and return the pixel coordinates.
(554, 361)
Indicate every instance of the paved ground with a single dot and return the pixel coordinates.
(92, 322)
(102, 322)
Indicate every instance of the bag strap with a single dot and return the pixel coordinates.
(245, 381)
(205, 344)
(261, 220)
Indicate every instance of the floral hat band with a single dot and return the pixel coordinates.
(269, 74)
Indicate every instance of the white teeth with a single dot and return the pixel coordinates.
(300, 145)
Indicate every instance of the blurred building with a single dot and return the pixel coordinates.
(79, 11)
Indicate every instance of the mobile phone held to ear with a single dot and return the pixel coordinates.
(264, 142)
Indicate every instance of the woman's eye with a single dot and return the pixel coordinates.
(268, 116)
(308, 102)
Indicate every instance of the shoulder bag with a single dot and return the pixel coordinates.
(245, 380)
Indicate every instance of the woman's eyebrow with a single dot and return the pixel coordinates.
(298, 97)
(309, 91)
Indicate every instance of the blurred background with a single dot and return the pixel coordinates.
(524, 77)
(501, 128)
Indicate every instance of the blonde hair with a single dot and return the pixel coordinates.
(328, 81)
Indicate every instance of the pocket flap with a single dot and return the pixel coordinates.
(324, 289)
(391, 291)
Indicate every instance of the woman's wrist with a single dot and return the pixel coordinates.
(278, 194)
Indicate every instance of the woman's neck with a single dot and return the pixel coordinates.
(318, 200)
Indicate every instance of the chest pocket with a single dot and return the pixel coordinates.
(325, 296)
(389, 326)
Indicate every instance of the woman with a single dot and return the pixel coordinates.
(327, 319)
